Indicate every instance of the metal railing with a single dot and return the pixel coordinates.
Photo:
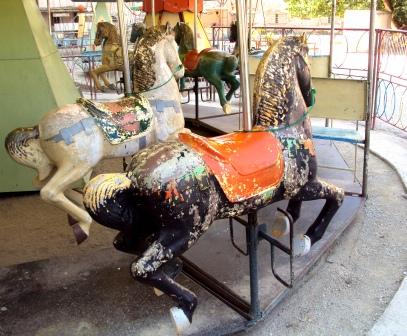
(391, 78)
(350, 60)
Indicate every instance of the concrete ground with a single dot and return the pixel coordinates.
(346, 293)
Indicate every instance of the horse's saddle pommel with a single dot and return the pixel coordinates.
(191, 59)
(244, 163)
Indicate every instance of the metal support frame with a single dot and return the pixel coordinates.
(126, 65)
(255, 233)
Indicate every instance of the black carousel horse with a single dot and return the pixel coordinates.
(172, 192)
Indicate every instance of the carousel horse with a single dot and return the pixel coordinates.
(214, 65)
(112, 54)
(68, 142)
(172, 192)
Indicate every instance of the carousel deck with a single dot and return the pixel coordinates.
(94, 294)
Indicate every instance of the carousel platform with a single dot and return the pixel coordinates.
(94, 294)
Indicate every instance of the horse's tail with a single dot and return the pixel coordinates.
(107, 199)
(230, 64)
(23, 145)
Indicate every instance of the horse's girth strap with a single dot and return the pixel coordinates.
(160, 105)
(66, 134)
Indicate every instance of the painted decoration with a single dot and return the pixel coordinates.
(172, 192)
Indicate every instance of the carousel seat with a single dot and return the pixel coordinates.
(244, 163)
(192, 58)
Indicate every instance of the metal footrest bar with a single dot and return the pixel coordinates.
(216, 288)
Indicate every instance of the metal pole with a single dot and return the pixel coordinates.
(376, 66)
(249, 34)
(49, 16)
(370, 71)
(153, 12)
(126, 65)
(244, 68)
(252, 244)
(195, 24)
(332, 37)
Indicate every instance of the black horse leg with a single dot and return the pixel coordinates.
(149, 269)
(294, 209)
(334, 197)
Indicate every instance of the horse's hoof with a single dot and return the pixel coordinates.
(103, 88)
(71, 221)
(111, 86)
(280, 226)
(180, 320)
(79, 234)
(157, 292)
(227, 108)
(302, 245)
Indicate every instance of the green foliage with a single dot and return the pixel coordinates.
(400, 12)
(322, 8)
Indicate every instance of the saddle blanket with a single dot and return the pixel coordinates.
(244, 163)
(121, 120)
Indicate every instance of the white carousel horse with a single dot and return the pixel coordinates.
(67, 143)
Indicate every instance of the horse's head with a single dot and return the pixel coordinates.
(233, 32)
(137, 31)
(170, 49)
(156, 47)
(184, 37)
(283, 83)
(106, 32)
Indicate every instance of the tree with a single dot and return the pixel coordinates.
(399, 12)
(322, 8)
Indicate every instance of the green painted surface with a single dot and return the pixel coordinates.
(33, 81)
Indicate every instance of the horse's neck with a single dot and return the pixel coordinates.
(287, 114)
(165, 87)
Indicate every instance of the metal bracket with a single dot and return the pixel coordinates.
(263, 235)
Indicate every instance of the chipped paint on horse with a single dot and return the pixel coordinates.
(158, 224)
(67, 144)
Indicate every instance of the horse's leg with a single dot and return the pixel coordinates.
(95, 73)
(321, 190)
(148, 269)
(218, 84)
(53, 192)
(234, 85)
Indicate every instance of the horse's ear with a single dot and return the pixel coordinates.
(303, 38)
(168, 28)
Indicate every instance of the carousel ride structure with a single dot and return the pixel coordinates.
(69, 141)
(172, 192)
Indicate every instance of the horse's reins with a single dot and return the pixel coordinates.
(298, 121)
(177, 68)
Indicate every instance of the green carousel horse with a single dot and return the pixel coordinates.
(214, 65)
(112, 54)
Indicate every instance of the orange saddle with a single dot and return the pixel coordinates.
(191, 59)
(244, 163)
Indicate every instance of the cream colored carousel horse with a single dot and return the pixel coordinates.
(112, 54)
(68, 142)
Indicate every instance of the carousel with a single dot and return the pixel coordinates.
(213, 227)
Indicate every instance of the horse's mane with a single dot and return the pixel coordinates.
(143, 75)
(274, 78)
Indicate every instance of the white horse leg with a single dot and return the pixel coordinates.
(53, 193)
